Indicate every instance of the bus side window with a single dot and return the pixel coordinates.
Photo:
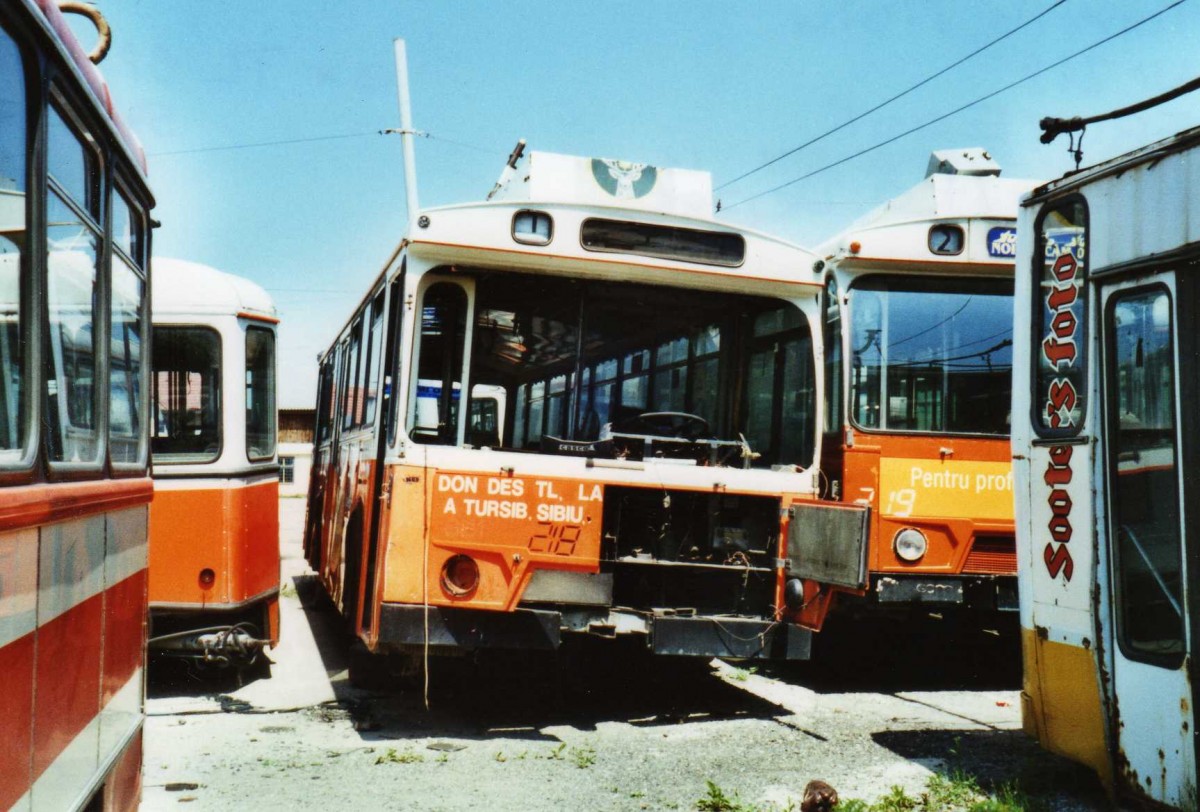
(1144, 476)
(833, 360)
(371, 378)
(260, 394)
(127, 304)
(73, 255)
(13, 376)
(364, 361)
(353, 373)
(325, 400)
(443, 331)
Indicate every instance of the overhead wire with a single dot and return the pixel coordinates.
(958, 110)
(899, 95)
(313, 139)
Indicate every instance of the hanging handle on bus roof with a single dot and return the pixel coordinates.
(103, 31)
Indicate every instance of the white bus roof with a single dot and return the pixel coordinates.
(480, 234)
(1137, 202)
(551, 177)
(898, 230)
(182, 287)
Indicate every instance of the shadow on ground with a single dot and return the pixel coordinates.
(997, 759)
(916, 653)
(518, 693)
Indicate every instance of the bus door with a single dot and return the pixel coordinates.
(382, 485)
(1148, 545)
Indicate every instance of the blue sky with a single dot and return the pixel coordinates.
(722, 87)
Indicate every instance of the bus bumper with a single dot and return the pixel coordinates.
(983, 592)
(543, 629)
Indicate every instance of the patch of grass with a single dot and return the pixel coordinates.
(898, 801)
(956, 792)
(394, 756)
(500, 757)
(557, 754)
(739, 674)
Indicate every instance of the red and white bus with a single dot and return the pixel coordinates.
(74, 479)
(214, 524)
(918, 336)
(637, 453)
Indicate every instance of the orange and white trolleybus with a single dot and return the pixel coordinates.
(214, 524)
(581, 407)
(918, 338)
(74, 479)
(1106, 449)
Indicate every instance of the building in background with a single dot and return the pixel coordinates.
(295, 450)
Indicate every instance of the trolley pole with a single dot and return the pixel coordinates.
(406, 129)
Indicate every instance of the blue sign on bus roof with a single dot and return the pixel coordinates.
(1002, 242)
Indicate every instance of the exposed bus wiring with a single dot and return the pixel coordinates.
(899, 95)
(960, 109)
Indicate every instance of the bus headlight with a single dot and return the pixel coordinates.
(460, 575)
(793, 593)
(910, 544)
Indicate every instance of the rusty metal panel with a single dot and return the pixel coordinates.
(828, 542)
(561, 587)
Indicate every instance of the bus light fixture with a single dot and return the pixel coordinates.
(793, 593)
(532, 227)
(910, 545)
(207, 578)
(460, 576)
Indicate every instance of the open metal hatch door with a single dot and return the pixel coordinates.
(828, 543)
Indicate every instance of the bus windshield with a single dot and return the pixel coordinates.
(931, 355)
(603, 367)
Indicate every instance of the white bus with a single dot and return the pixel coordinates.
(653, 470)
(214, 522)
(1105, 450)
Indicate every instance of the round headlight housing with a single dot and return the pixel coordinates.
(460, 575)
(910, 544)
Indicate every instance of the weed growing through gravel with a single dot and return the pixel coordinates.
(717, 800)
(394, 756)
(583, 757)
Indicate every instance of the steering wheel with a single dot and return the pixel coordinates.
(668, 424)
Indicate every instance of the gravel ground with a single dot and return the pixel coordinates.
(596, 729)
